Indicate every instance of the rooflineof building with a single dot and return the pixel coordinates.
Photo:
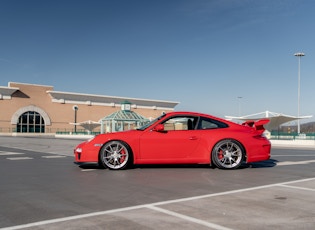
(30, 108)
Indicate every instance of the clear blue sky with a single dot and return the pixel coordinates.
(202, 53)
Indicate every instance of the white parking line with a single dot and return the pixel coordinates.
(87, 170)
(10, 153)
(189, 218)
(26, 158)
(308, 155)
(55, 156)
(153, 206)
(295, 162)
(19, 158)
(297, 187)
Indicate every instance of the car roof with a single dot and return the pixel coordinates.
(198, 114)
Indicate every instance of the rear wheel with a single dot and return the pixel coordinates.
(115, 155)
(228, 154)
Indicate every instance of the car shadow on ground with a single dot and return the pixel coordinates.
(263, 164)
(90, 166)
(172, 166)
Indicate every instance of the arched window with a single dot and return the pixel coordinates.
(30, 122)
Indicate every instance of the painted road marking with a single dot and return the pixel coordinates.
(298, 187)
(55, 156)
(26, 158)
(10, 153)
(189, 218)
(302, 155)
(87, 170)
(153, 206)
(19, 158)
(284, 163)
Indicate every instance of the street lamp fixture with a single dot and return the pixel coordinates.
(75, 108)
(299, 55)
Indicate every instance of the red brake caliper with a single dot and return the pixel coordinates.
(122, 158)
(220, 155)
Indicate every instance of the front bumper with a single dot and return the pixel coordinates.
(86, 152)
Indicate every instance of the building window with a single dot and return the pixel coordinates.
(30, 122)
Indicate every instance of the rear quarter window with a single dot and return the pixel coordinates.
(207, 123)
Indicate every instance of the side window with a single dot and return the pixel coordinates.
(207, 123)
(180, 123)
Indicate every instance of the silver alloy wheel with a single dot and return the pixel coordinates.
(115, 155)
(228, 154)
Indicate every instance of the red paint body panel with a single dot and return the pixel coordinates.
(179, 146)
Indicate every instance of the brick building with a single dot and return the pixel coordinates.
(29, 108)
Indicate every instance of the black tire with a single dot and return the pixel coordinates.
(115, 155)
(228, 154)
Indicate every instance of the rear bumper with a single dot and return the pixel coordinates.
(259, 152)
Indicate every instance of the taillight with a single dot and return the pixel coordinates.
(260, 137)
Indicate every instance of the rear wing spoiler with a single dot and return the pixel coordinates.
(257, 125)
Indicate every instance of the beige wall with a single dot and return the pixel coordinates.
(60, 114)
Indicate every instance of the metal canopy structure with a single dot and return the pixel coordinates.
(124, 119)
(88, 125)
(276, 119)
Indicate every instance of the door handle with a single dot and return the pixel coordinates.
(193, 138)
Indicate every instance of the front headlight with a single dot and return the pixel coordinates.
(78, 150)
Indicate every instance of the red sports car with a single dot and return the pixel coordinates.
(179, 138)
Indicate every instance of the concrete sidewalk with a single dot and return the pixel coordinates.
(309, 144)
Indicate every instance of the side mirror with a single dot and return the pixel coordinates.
(159, 128)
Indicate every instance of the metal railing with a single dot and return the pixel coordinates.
(291, 136)
(54, 131)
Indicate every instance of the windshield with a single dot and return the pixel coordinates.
(151, 122)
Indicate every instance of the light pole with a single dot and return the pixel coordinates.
(299, 55)
(75, 108)
(239, 106)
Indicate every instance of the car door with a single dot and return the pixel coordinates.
(174, 144)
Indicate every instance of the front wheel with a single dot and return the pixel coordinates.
(228, 154)
(115, 155)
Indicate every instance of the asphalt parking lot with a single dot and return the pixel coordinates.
(276, 206)
(42, 189)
